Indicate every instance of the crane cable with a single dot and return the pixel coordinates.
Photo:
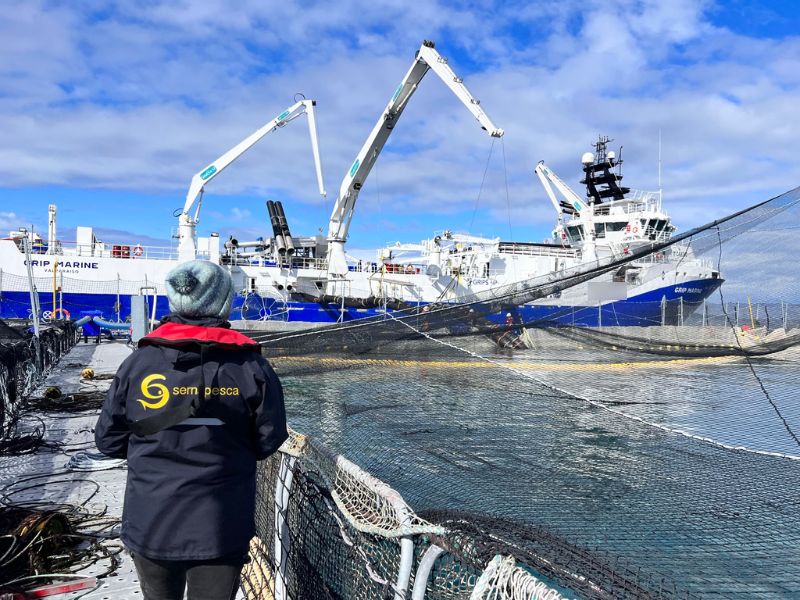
(480, 189)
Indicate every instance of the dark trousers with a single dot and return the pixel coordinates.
(206, 580)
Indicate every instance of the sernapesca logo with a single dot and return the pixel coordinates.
(158, 394)
(154, 391)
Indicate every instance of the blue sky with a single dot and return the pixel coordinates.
(108, 110)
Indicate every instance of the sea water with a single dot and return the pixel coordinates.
(495, 439)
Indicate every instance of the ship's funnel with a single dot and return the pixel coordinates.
(277, 230)
(287, 236)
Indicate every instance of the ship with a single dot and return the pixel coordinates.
(289, 281)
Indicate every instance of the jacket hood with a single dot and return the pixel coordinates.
(176, 334)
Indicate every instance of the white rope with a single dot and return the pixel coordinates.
(504, 580)
(369, 504)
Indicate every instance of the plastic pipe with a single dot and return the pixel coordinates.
(109, 324)
(281, 549)
(424, 570)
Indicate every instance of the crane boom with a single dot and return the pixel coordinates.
(427, 58)
(194, 198)
(546, 176)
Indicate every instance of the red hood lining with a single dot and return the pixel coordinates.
(178, 332)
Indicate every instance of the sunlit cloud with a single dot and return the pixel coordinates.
(139, 100)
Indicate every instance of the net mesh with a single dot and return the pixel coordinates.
(325, 530)
(24, 361)
(606, 461)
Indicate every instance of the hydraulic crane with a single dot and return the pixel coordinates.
(571, 204)
(187, 222)
(427, 58)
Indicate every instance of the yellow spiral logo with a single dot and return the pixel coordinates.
(154, 391)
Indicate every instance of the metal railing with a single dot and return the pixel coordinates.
(553, 250)
(103, 250)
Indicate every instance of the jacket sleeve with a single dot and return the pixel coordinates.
(270, 415)
(111, 432)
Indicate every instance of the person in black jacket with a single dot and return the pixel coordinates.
(192, 409)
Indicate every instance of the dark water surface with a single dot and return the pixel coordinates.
(469, 435)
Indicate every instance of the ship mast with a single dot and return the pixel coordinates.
(599, 177)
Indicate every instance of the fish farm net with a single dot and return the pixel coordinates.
(543, 457)
(24, 361)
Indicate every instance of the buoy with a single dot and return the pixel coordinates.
(52, 393)
(137, 250)
(61, 311)
(87, 373)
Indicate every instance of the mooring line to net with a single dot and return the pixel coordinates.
(394, 362)
(597, 404)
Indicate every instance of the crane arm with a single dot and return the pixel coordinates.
(200, 179)
(427, 58)
(547, 177)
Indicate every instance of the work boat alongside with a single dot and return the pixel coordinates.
(290, 281)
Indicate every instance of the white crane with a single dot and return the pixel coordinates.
(546, 176)
(571, 200)
(187, 247)
(427, 58)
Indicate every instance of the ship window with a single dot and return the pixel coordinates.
(616, 226)
(575, 232)
(600, 230)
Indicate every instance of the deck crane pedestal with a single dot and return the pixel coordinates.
(427, 58)
(187, 222)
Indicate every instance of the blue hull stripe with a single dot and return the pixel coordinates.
(644, 309)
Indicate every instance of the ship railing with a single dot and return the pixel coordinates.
(544, 250)
(320, 264)
(307, 262)
(292, 262)
(654, 258)
(104, 250)
(657, 235)
(637, 201)
(642, 200)
(678, 252)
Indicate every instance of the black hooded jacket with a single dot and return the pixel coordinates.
(191, 485)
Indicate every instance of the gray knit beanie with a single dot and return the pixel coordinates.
(199, 288)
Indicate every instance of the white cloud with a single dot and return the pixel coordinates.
(238, 214)
(140, 97)
(9, 221)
